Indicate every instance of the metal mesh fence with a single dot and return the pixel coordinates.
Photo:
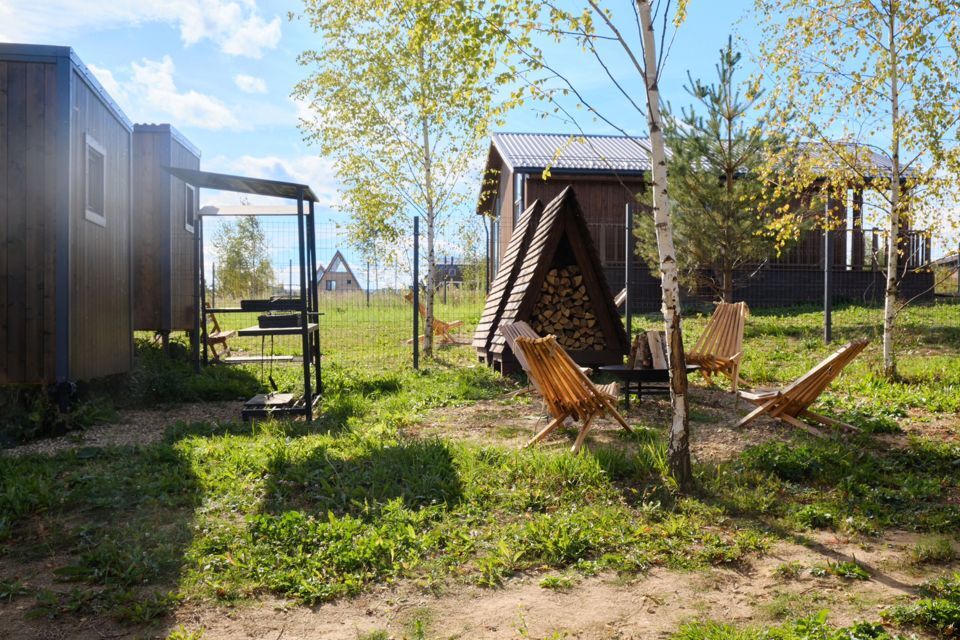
(365, 321)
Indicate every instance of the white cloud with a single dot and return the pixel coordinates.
(153, 85)
(109, 82)
(147, 92)
(250, 84)
(235, 26)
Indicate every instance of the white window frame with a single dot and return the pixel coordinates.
(191, 199)
(91, 144)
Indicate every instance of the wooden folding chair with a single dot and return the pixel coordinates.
(720, 347)
(620, 298)
(566, 391)
(217, 337)
(793, 400)
(440, 328)
(513, 330)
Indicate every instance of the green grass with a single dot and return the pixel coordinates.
(227, 512)
(815, 627)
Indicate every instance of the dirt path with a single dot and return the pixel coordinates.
(139, 427)
(602, 607)
(651, 606)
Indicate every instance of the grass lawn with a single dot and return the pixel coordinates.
(225, 514)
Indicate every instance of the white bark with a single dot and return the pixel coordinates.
(679, 446)
(893, 244)
(431, 258)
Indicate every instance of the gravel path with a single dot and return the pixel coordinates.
(134, 428)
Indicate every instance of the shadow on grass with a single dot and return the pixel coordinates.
(419, 474)
(98, 532)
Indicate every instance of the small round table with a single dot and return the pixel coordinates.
(629, 377)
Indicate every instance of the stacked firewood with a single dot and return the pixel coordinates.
(564, 310)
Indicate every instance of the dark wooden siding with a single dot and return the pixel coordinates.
(163, 248)
(101, 327)
(28, 187)
(183, 247)
(149, 230)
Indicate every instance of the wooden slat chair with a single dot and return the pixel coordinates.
(440, 328)
(620, 298)
(218, 337)
(567, 392)
(793, 400)
(513, 330)
(720, 347)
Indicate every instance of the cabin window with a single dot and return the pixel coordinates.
(331, 285)
(95, 181)
(518, 184)
(190, 209)
(495, 244)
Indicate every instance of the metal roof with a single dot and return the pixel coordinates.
(573, 152)
(242, 184)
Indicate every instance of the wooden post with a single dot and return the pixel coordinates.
(858, 230)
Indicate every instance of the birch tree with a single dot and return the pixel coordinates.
(634, 46)
(402, 95)
(871, 88)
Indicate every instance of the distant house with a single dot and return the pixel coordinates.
(338, 276)
(606, 173)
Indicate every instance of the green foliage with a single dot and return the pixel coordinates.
(182, 633)
(936, 551)
(159, 378)
(402, 96)
(717, 197)
(814, 627)
(243, 259)
(557, 583)
(937, 612)
(28, 413)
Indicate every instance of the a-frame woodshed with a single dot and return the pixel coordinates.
(506, 277)
(562, 240)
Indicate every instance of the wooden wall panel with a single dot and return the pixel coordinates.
(28, 132)
(101, 326)
(148, 231)
(183, 247)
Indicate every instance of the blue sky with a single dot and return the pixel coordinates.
(222, 71)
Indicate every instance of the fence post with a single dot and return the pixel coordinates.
(368, 282)
(628, 263)
(416, 292)
(827, 284)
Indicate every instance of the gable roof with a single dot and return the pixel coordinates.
(574, 153)
(502, 285)
(337, 257)
(562, 219)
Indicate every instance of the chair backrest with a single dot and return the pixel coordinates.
(408, 296)
(212, 320)
(620, 298)
(723, 335)
(513, 330)
(802, 392)
(564, 387)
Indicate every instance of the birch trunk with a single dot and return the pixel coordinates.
(431, 224)
(893, 243)
(678, 451)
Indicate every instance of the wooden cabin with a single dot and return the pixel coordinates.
(338, 277)
(607, 171)
(65, 224)
(164, 215)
